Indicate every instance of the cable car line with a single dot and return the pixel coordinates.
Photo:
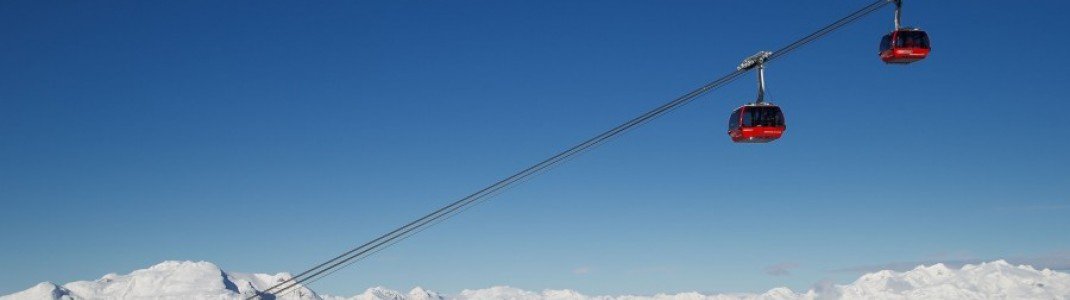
(328, 273)
(370, 247)
(831, 27)
(418, 225)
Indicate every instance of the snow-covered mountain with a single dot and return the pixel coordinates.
(167, 280)
(203, 280)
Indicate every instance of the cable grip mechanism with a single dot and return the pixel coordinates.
(757, 60)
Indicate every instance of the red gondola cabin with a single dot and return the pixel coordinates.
(756, 123)
(904, 46)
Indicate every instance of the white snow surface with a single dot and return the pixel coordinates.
(167, 280)
(203, 280)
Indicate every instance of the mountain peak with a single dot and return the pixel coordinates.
(183, 264)
(168, 279)
(44, 290)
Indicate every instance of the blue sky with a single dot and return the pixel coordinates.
(268, 136)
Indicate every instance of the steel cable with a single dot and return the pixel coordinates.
(418, 225)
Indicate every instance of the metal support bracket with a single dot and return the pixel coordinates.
(898, 13)
(757, 60)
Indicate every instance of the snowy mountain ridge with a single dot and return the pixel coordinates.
(166, 280)
(204, 280)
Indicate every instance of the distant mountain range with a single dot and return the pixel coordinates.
(204, 280)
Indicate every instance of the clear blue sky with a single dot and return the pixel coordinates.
(268, 136)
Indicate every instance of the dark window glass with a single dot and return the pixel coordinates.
(923, 40)
(886, 42)
(912, 39)
(763, 116)
(733, 121)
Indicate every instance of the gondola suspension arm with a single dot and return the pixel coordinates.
(898, 14)
(757, 61)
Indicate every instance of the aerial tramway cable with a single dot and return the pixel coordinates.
(458, 206)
